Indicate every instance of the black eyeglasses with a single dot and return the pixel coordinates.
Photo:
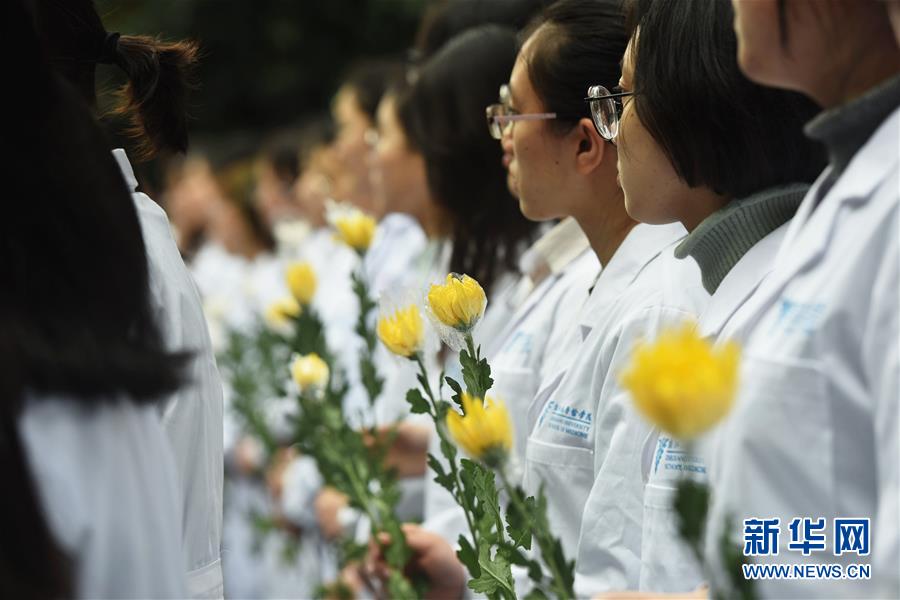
(606, 110)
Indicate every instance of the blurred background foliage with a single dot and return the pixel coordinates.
(266, 64)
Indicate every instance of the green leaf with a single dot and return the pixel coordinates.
(418, 405)
(399, 587)
(519, 525)
(691, 505)
(488, 497)
(552, 550)
(457, 390)
(733, 558)
(442, 478)
(397, 553)
(369, 377)
(467, 478)
(476, 374)
(535, 594)
(516, 557)
(496, 574)
(423, 382)
(467, 556)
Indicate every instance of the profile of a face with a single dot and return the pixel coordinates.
(351, 150)
(272, 195)
(652, 188)
(782, 43)
(396, 170)
(756, 24)
(532, 153)
(315, 185)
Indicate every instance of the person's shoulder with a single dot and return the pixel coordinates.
(58, 420)
(668, 282)
(75, 448)
(152, 216)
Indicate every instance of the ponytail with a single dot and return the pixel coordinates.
(160, 75)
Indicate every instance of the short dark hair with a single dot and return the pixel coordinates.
(443, 21)
(281, 151)
(442, 113)
(718, 128)
(369, 80)
(579, 43)
(315, 132)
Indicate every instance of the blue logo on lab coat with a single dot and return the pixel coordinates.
(567, 419)
(799, 317)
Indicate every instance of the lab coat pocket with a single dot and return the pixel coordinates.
(566, 474)
(786, 434)
(667, 563)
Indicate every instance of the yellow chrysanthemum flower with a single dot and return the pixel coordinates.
(281, 313)
(309, 371)
(356, 229)
(458, 303)
(484, 432)
(301, 281)
(681, 383)
(403, 332)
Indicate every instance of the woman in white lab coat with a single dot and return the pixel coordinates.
(441, 114)
(584, 432)
(157, 74)
(563, 168)
(735, 206)
(91, 505)
(814, 431)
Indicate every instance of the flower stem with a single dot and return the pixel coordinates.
(544, 542)
(454, 470)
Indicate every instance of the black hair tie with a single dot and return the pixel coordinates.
(109, 51)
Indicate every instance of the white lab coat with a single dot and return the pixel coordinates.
(814, 430)
(398, 241)
(191, 417)
(559, 266)
(107, 483)
(586, 446)
(667, 564)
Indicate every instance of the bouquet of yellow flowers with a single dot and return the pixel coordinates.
(481, 426)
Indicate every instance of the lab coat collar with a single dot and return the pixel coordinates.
(547, 258)
(127, 171)
(554, 250)
(642, 244)
(816, 220)
(740, 283)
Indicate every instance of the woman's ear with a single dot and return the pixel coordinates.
(591, 147)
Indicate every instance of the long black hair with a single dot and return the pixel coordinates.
(718, 128)
(160, 74)
(74, 303)
(443, 115)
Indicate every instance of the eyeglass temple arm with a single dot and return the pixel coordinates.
(618, 95)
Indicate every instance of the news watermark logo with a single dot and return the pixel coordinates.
(808, 536)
